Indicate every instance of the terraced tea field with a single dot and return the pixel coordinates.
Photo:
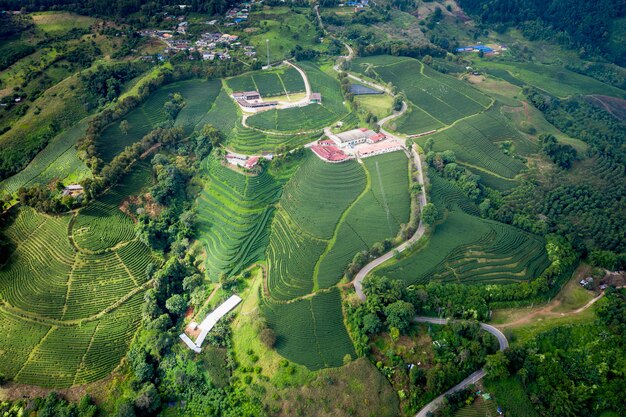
(234, 216)
(327, 214)
(311, 331)
(436, 99)
(467, 249)
(311, 117)
(199, 96)
(69, 310)
(475, 141)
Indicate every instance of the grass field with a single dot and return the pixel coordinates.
(277, 82)
(199, 96)
(436, 99)
(57, 23)
(327, 214)
(284, 28)
(234, 215)
(70, 309)
(467, 249)
(311, 117)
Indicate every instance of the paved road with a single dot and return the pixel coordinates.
(473, 378)
(358, 279)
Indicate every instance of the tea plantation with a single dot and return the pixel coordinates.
(327, 214)
(467, 249)
(69, 310)
(234, 212)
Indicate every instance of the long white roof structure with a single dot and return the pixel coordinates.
(210, 321)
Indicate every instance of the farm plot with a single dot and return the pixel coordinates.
(269, 83)
(319, 192)
(467, 249)
(375, 216)
(311, 117)
(328, 213)
(224, 114)
(69, 314)
(553, 79)
(250, 141)
(101, 224)
(57, 160)
(198, 94)
(440, 98)
(234, 214)
(311, 331)
(475, 142)
(415, 121)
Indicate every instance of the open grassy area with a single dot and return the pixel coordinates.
(70, 310)
(380, 105)
(57, 23)
(359, 389)
(284, 29)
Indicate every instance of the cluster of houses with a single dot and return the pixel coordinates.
(347, 145)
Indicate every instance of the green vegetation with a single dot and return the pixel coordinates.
(430, 92)
(275, 83)
(310, 331)
(313, 241)
(198, 95)
(234, 214)
(553, 79)
(76, 304)
(311, 117)
(559, 368)
(465, 248)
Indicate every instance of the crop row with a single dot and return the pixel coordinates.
(466, 248)
(234, 212)
(291, 258)
(319, 193)
(311, 331)
(445, 98)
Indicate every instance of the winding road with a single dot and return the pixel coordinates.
(360, 276)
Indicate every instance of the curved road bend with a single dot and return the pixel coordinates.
(473, 378)
(358, 279)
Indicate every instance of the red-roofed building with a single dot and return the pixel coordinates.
(251, 162)
(376, 138)
(363, 129)
(326, 142)
(330, 153)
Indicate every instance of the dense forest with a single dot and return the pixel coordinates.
(113, 8)
(574, 23)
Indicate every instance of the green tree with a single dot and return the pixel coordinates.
(176, 304)
(124, 126)
(430, 214)
(496, 366)
(399, 315)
